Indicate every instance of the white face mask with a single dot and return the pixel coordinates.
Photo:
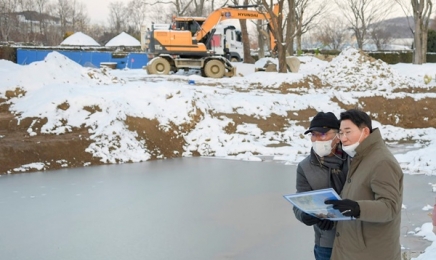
(322, 148)
(351, 149)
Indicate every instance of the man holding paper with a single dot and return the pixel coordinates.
(373, 194)
(325, 167)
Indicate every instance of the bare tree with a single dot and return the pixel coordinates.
(291, 28)
(199, 7)
(64, 11)
(361, 13)
(137, 10)
(288, 24)
(8, 18)
(53, 35)
(214, 4)
(244, 35)
(25, 31)
(26, 5)
(117, 17)
(166, 11)
(421, 11)
(282, 34)
(79, 17)
(261, 33)
(36, 20)
(380, 36)
(41, 6)
(332, 34)
(261, 38)
(182, 6)
(306, 12)
(97, 32)
(190, 7)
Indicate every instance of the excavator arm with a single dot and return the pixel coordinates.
(227, 13)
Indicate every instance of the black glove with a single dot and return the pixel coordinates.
(325, 224)
(309, 220)
(347, 207)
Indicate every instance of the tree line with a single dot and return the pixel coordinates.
(331, 23)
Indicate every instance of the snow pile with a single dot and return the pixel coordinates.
(6, 66)
(123, 39)
(426, 231)
(420, 161)
(309, 64)
(353, 70)
(55, 69)
(79, 39)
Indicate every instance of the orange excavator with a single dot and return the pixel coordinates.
(187, 48)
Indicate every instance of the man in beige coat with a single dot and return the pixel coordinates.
(373, 194)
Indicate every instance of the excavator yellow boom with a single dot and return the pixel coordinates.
(227, 13)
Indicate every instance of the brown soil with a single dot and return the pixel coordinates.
(18, 147)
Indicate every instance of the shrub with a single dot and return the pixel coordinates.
(431, 41)
(431, 57)
(406, 57)
(388, 57)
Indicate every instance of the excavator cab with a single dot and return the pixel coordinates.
(192, 24)
(175, 41)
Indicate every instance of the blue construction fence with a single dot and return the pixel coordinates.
(87, 58)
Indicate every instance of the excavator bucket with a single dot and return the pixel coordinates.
(231, 72)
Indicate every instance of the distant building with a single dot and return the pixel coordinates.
(28, 27)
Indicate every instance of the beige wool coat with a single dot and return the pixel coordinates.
(375, 181)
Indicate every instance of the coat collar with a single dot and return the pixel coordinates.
(374, 138)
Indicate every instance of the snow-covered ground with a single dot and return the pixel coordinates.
(173, 101)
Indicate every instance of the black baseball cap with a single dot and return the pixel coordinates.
(323, 122)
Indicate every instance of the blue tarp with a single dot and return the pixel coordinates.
(86, 58)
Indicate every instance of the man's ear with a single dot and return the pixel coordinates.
(366, 131)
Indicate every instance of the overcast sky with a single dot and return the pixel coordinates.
(98, 10)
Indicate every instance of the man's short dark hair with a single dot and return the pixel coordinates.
(358, 117)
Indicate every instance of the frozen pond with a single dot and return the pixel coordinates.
(190, 208)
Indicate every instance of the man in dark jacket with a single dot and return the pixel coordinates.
(325, 167)
(373, 194)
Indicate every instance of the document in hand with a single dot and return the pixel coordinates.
(312, 202)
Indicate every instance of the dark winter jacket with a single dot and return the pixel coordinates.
(375, 182)
(315, 173)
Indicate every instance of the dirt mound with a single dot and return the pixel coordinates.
(19, 149)
(354, 70)
(36, 143)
